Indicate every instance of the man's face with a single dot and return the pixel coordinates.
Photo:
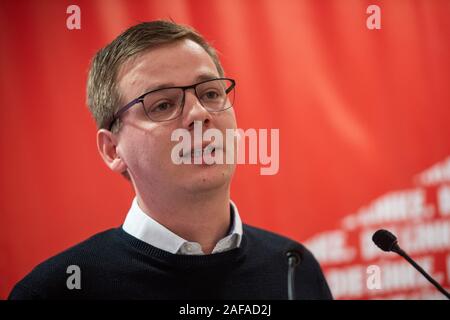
(145, 146)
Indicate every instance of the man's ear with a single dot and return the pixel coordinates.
(107, 147)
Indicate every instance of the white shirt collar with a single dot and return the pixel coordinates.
(142, 226)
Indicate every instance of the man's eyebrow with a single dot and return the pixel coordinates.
(206, 76)
(200, 78)
(159, 86)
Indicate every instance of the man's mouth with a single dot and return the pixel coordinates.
(199, 152)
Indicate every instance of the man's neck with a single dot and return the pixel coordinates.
(201, 217)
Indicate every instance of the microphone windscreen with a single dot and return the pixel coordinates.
(384, 239)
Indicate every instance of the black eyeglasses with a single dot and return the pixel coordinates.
(167, 103)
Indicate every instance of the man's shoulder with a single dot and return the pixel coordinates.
(95, 244)
(55, 270)
(270, 241)
(268, 237)
(272, 246)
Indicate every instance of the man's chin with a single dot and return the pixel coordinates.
(208, 178)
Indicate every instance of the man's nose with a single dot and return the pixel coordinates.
(194, 111)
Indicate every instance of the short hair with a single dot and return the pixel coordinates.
(103, 95)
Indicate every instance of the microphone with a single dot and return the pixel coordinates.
(294, 259)
(386, 241)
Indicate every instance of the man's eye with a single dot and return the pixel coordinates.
(162, 107)
(211, 95)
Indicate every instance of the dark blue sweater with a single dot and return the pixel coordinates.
(116, 265)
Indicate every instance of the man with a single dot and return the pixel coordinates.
(183, 237)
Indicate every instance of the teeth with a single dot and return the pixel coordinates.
(199, 152)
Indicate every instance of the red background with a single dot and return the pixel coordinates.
(360, 111)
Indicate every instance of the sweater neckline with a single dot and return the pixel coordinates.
(221, 258)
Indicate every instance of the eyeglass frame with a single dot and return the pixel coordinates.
(140, 99)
